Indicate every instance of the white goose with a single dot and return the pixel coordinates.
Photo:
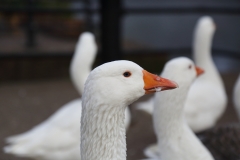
(201, 110)
(109, 89)
(176, 141)
(57, 138)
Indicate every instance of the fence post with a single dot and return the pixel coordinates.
(30, 36)
(110, 37)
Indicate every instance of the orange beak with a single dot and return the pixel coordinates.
(199, 71)
(154, 83)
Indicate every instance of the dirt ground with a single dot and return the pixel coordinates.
(26, 104)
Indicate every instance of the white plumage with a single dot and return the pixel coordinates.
(58, 137)
(207, 97)
(176, 141)
(53, 139)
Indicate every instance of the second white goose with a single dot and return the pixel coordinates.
(175, 140)
(201, 110)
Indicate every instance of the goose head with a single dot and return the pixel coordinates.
(125, 81)
(109, 89)
(206, 26)
(182, 70)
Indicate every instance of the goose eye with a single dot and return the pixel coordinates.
(190, 66)
(127, 74)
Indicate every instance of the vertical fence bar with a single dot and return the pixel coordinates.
(111, 30)
(30, 36)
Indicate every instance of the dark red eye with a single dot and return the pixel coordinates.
(127, 74)
(190, 66)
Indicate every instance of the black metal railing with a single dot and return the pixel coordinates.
(112, 12)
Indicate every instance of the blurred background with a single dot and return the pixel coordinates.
(38, 38)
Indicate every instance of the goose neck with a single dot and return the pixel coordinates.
(168, 113)
(211, 74)
(202, 48)
(103, 133)
(79, 71)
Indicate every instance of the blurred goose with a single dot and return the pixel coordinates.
(109, 89)
(201, 110)
(57, 138)
(176, 141)
(82, 60)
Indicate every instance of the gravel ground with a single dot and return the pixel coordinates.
(26, 104)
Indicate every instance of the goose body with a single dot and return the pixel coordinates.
(50, 140)
(57, 138)
(109, 89)
(175, 140)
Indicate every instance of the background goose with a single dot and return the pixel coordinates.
(82, 60)
(201, 110)
(58, 136)
(109, 89)
(175, 139)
